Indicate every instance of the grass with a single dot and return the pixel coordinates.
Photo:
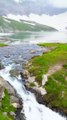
(40, 65)
(3, 117)
(32, 84)
(3, 44)
(6, 107)
(56, 86)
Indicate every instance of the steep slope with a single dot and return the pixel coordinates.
(8, 25)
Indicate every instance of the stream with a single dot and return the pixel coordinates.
(13, 57)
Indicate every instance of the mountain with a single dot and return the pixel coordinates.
(28, 6)
(8, 25)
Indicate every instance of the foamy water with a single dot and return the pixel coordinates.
(32, 109)
(5, 34)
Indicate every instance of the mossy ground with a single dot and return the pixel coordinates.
(6, 107)
(56, 85)
(40, 65)
(3, 44)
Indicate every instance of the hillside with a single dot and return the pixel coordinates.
(50, 71)
(8, 25)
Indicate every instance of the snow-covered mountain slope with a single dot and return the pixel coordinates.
(58, 22)
(11, 25)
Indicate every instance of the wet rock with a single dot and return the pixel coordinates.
(10, 89)
(14, 99)
(7, 86)
(7, 56)
(20, 115)
(1, 66)
(16, 105)
(40, 90)
(24, 74)
(14, 73)
(33, 51)
(1, 92)
(31, 79)
(38, 95)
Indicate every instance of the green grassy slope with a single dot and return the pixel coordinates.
(56, 86)
(41, 64)
(7, 25)
(6, 107)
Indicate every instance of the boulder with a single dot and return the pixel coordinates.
(45, 79)
(1, 92)
(40, 90)
(12, 114)
(14, 73)
(1, 66)
(7, 86)
(33, 51)
(14, 99)
(24, 74)
(16, 105)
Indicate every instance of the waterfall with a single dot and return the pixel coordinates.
(32, 109)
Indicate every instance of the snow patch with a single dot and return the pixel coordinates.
(7, 20)
(56, 21)
(30, 23)
(14, 17)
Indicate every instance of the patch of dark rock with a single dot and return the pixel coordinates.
(19, 115)
(14, 72)
(1, 66)
(24, 74)
(38, 95)
(41, 100)
(7, 56)
(48, 104)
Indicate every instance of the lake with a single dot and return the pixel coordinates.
(36, 37)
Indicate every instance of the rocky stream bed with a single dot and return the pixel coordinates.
(18, 56)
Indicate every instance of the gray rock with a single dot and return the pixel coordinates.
(5, 113)
(24, 74)
(14, 72)
(1, 92)
(1, 66)
(16, 105)
(14, 99)
(33, 51)
(12, 113)
(10, 89)
(7, 86)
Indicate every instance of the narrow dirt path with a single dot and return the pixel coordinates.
(54, 69)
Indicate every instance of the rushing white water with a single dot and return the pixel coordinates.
(32, 109)
(5, 34)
